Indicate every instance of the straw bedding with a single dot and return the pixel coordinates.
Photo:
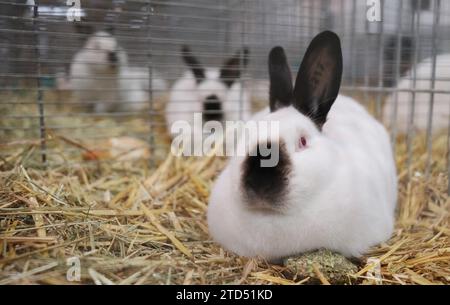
(125, 222)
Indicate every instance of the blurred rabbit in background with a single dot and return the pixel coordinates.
(404, 99)
(95, 69)
(100, 76)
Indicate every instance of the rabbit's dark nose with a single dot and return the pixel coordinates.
(263, 185)
(112, 57)
(212, 109)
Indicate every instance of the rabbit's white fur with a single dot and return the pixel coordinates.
(342, 195)
(93, 78)
(111, 86)
(340, 192)
(186, 98)
(441, 111)
(134, 87)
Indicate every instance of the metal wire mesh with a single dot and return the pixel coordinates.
(38, 45)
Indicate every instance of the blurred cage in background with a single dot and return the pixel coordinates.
(38, 43)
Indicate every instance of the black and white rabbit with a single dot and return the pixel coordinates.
(214, 92)
(335, 182)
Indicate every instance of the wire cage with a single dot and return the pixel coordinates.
(87, 91)
(395, 63)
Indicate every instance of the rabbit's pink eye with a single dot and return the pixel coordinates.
(302, 142)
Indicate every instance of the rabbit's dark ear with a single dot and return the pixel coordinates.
(193, 63)
(319, 77)
(280, 79)
(231, 70)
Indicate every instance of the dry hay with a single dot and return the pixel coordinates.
(128, 223)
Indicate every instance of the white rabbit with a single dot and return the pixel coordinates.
(335, 182)
(441, 107)
(134, 87)
(94, 71)
(100, 75)
(216, 93)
